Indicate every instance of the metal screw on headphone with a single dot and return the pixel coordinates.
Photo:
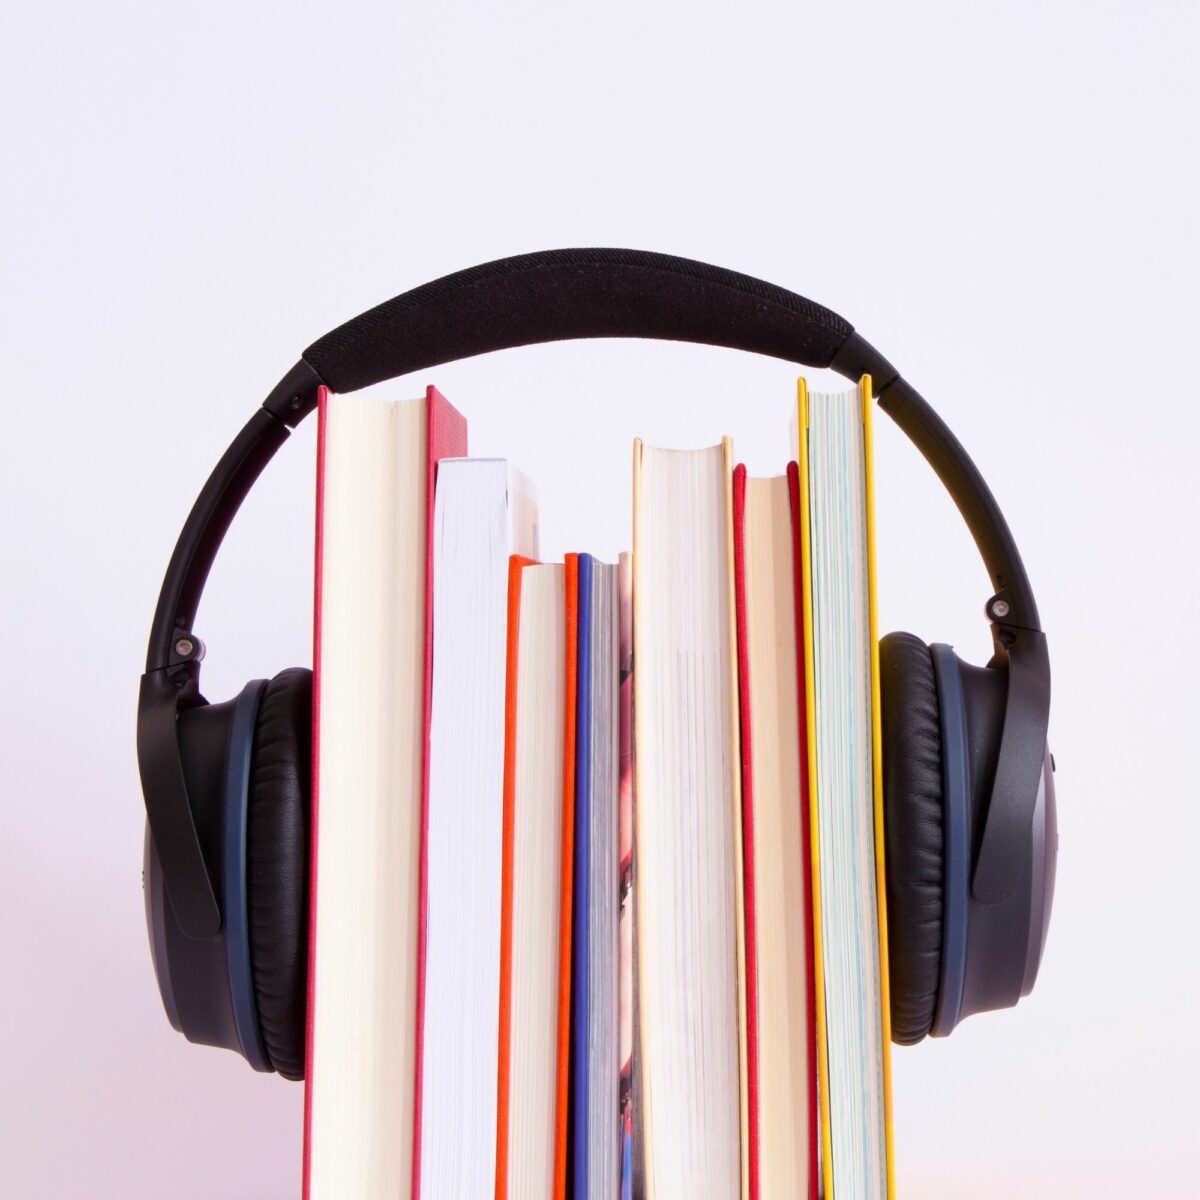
(999, 609)
(188, 648)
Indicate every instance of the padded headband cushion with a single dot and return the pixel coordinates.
(276, 866)
(912, 793)
(576, 293)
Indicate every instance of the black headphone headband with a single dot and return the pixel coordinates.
(558, 295)
(548, 296)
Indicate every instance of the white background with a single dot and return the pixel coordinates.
(1001, 197)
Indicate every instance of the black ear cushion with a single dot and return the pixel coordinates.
(912, 799)
(277, 866)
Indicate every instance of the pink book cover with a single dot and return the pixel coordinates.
(743, 663)
(318, 556)
(446, 437)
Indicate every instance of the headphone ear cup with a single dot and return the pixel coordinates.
(913, 833)
(277, 866)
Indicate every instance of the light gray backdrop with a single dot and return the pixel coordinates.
(1002, 198)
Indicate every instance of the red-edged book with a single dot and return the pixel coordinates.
(376, 469)
(780, 1008)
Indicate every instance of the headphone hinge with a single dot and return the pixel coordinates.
(295, 395)
(188, 880)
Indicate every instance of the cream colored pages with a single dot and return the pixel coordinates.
(537, 881)
(687, 887)
(369, 799)
(784, 1059)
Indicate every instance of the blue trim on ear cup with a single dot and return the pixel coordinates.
(956, 835)
(236, 906)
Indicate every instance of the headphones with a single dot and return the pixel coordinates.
(969, 808)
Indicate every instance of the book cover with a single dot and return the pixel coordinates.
(516, 565)
(569, 827)
(581, 949)
(315, 807)
(627, 1023)
(447, 438)
(877, 758)
(750, 1023)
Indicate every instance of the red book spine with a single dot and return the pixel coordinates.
(743, 660)
(810, 987)
(446, 437)
(322, 403)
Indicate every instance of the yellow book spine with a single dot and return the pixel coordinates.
(810, 708)
(877, 752)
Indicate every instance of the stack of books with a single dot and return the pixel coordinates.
(597, 877)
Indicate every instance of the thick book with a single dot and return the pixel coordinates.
(376, 465)
(537, 859)
(689, 873)
(780, 1008)
(484, 512)
(595, 1000)
(845, 784)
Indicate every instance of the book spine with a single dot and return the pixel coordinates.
(627, 1031)
(445, 437)
(582, 947)
(571, 595)
(743, 683)
(802, 507)
(810, 1031)
(310, 1004)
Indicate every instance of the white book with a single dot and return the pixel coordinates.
(484, 512)
(369, 734)
(597, 856)
(536, 695)
(777, 844)
(834, 456)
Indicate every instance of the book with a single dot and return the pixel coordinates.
(627, 926)
(688, 833)
(535, 906)
(448, 435)
(484, 512)
(376, 464)
(595, 1049)
(833, 435)
(579, 927)
(780, 1010)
